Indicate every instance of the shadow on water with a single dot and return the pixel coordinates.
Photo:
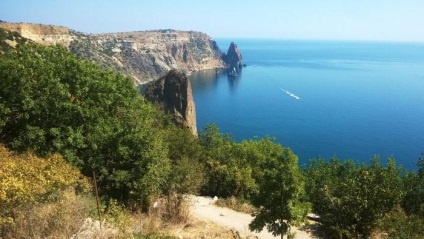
(210, 79)
(234, 80)
(206, 79)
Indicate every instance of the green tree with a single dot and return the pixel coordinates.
(280, 195)
(350, 198)
(51, 101)
(186, 156)
(413, 202)
(228, 173)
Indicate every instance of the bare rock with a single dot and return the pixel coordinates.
(174, 94)
(233, 57)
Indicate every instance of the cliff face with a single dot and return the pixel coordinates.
(233, 57)
(173, 93)
(42, 34)
(144, 55)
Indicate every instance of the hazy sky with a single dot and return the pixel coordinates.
(393, 20)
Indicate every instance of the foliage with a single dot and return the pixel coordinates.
(51, 101)
(118, 216)
(234, 169)
(9, 36)
(227, 175)
(28, 182)
(259, 170)
(398, 225)
(186, 157)
(350, 198)
(413, 202)
(279, 200)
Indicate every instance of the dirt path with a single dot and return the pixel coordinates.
(204, 209)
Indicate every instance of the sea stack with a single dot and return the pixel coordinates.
(233, 57)
(174, 94)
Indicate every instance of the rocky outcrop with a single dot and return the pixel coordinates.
(42, 34)
(10, 40)
(233, 57)
(143, 55)
(173, 93)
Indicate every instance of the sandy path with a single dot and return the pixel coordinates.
(204, 209)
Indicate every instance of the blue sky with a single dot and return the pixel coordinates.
(387, 20)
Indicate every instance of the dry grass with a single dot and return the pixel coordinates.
(236, 205)
(59, 219)
(171, 218)
(194, 229)
(67, 218)
(175, 209)
(92, 229)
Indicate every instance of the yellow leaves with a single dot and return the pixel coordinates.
(26, 179)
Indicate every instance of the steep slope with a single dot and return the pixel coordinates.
(173, 93)
(144, 55)
(233, 57)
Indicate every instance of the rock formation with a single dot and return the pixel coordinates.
(173, 93)
(233, 57)
(42, 34)
(143, 55)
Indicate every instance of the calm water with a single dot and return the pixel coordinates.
(345, 99)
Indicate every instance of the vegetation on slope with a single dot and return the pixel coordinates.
(10, 40)
(40, 197)
(52, 102)
(355, 200)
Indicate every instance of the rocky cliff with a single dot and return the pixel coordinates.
(233, 57)
(173, 93)
(42, 34)
(144, 55)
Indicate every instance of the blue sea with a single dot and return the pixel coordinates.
(353, 100)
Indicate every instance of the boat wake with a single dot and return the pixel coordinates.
(290, 94)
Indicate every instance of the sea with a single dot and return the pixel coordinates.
(352, 100)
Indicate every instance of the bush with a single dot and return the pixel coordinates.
(398, 225)
(350, 198)
(186, 156)
(51, 101)
(38, 196)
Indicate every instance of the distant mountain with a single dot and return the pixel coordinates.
(143, 55)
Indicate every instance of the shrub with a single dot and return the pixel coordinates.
(37, 196)
(351, 198)
(398, 225)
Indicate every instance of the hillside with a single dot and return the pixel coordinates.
(144, 55)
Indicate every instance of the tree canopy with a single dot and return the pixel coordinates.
(350, 197)
(51, 101)
(280, 197)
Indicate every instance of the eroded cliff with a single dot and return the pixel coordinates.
(174, 94)
(144, 55)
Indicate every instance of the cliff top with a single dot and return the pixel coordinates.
(143, 55)
(33, 31)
